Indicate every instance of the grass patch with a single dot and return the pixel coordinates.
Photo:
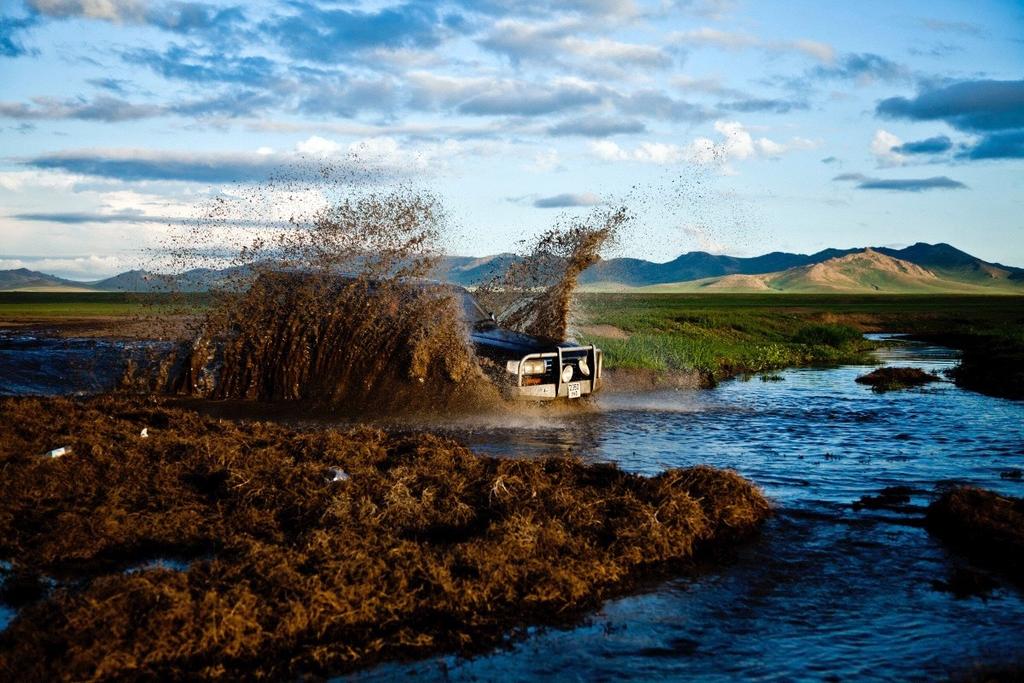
(283, 573)
(892, 379)
(992, 361)
(56, 305)
(828, 335)
(716, 336)
(722, 335)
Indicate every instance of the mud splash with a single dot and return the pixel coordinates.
(534, 294)
(333, 305)
(330, 306)
(287, 571)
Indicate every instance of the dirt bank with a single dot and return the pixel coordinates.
(992, 364)
(892, 379)
(287, 567)
(984, 525)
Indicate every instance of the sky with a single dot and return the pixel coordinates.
(727, 126)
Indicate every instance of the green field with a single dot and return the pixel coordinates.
(727, 334)
(15, 306)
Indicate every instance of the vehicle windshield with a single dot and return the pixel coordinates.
(472, 312)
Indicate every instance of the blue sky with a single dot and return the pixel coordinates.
(732, 127)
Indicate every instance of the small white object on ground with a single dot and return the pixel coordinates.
(58, 452)
(336, 474)
(144, 433)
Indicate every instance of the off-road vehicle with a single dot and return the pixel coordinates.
(535, 368)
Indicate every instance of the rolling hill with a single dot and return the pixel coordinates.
(867, 271)
(25, 280)
(948, 270)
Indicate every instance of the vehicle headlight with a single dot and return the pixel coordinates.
(584, 368)
(535, 366)
(567, 373)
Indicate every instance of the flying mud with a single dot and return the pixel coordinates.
(336, 307)
(535, 293)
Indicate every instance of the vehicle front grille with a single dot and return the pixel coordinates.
(573, 359)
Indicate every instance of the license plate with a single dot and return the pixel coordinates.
(574, 390)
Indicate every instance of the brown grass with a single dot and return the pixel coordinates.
(426, 547)
(984, 525)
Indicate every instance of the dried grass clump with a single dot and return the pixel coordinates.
(891, 379)
(426, 547)
(984, 525)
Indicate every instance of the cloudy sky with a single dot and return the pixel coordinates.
(735, 127)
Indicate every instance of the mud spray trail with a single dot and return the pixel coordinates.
(335, 306)
(534, 294)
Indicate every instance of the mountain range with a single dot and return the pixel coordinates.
(918, 268)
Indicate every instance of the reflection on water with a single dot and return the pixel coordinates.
(826, 591)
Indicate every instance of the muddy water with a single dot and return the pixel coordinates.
(39, 364)
(827, 592)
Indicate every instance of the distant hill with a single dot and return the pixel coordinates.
(471, 270)
(952, 264)
(955, 270)
(942, 259)
(25, 280)
(696, 265)
(867, 271)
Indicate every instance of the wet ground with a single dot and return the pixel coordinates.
(826, 592)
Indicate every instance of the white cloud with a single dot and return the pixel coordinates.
(545, 161)
(129, 202)
(728, 40)
(823, 52)
(109, 10)
(731, 40)
(882, 147)
(316, 146)
(19, 181)
(711, 86)
(608, 150)
(734, 144)
(657, 153)
(91, 267)
(702, 236)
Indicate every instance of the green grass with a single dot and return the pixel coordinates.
(728, 334)
(56, 305)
